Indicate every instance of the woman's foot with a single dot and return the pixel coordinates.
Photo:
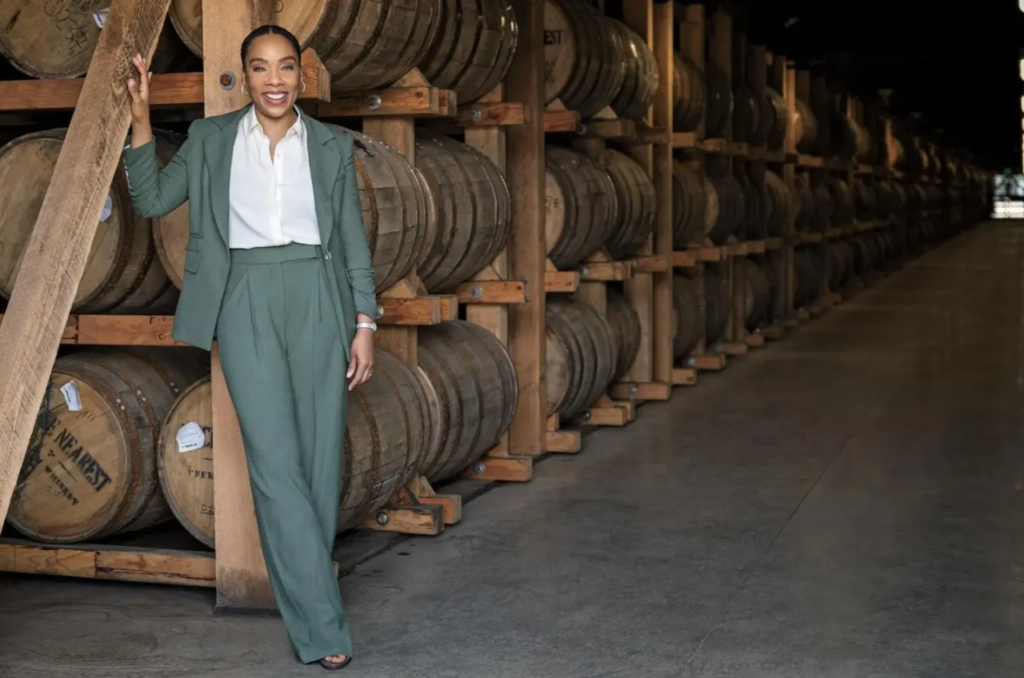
(335, 662)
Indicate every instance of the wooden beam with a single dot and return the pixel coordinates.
(56, 254)
(242, 579)
(527, 251)
(165, 89)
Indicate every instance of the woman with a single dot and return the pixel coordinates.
(277, 266)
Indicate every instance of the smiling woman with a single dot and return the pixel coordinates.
(278, 268)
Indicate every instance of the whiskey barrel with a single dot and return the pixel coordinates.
(385, 432)
(805, 202)
(91, 468)
(689, 94)
(474, 212)
(365, 44)
(731, 206)
(637, 204)
(471, 391)
(687, 316)
(841, 200)
(625, 323)
(805, 128)
(771, 269)
(747, 126)
(56, 39)
(781, 206)
(587, 344)
(689, 205)
(581, 206)
(716, 306)
(473, 48)
(558, 375)
(640, 84)
(808, 276)
(755, 295)
(712, 209)
(755, 215)
(719, 102)
(823, 205)
(776, 120)
(866, 199)
(397, 212)
(584, 57)
(122, 274)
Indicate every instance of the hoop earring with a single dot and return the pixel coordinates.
(303, 87)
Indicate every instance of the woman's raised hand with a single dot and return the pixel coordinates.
(138, 88)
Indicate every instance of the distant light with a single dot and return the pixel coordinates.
(792, 20)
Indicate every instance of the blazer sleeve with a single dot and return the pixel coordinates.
(356, 251)
(157, 192)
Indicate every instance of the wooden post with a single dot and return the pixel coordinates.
(526, 249)
(242, 580)
(789, 93)
(662, 116)
(57, 252)
(639, 290)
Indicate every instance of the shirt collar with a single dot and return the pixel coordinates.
(252, 124)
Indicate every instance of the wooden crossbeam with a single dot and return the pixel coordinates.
(58, 249)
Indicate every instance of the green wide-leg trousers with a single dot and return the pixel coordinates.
(284, 362)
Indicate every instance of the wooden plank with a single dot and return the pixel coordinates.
(492, 292)
(661, 40)
(652, 263)
(684, 376)
(651, 390)
(165, 89)
(684, 140)
(513, 469)
(685, 259)
(56, 254)
(423, 519)
(608, 129)
(527, 252)
(608, 271)
(561, 281)
(242, 579)
(561, 121)
(564, 442)
(88, 561)
(485, 114)
(395, 101)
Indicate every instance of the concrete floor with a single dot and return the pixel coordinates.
(846, 503)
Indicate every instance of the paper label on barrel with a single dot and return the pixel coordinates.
(190, 437)
(108, 208)
(71, 397)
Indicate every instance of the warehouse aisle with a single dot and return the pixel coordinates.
(846, 503)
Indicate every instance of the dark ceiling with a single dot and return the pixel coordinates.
(958, 67)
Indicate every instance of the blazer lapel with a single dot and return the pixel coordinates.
(220, 149)
(324, 164)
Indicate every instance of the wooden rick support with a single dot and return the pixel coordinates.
(237, 570)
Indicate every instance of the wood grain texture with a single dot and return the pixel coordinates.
(242, 579)
(525, 175)
(58, 250)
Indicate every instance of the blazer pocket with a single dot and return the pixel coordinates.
(192, 259)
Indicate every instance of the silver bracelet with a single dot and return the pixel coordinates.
(367, 326)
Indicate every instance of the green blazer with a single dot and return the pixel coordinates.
(201, 174)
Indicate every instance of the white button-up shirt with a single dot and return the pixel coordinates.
(271, 199)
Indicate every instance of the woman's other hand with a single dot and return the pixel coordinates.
(138, 88)
(360, 367)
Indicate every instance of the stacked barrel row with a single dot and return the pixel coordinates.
(466, 47)
(448, 215)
